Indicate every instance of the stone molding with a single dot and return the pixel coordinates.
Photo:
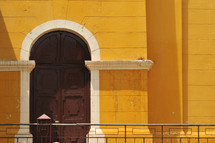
(64, 25)
(17, 65)
(119, 65)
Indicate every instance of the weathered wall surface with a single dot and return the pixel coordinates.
(179, 33)
(198, 61)
(124, 97)
(9, 102)
(9, 97)
(119, 26)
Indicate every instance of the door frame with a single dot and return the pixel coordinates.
(31, 38)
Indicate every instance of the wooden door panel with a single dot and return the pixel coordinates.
(73, 111)
(71, 51)
(73, 95)
(78, 132)
(46, 51)
(47, 79)
(47, 104)
(60, 84)
(73, 80)
(47, 93)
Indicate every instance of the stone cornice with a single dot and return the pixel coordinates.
(17, 65)
(119, 65)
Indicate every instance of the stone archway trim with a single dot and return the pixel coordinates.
(65, 25)
(27, 44)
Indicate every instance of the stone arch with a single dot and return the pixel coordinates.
(64, 25)
(27, 44)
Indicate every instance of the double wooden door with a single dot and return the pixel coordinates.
(60, 84)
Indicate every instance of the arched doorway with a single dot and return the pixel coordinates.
(60, 83)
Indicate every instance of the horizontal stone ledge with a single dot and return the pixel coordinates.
(17, 65)
(119, 65)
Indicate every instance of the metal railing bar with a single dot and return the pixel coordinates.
(142, 124)
(123, 137)
(13, 124)
(88, 124)
(159, 132)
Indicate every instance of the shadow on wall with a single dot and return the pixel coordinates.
(6, 48)
(164, 80)
(9, 81)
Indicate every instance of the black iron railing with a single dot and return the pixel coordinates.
(108, 133)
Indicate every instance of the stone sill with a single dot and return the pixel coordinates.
(16, 65)
(91, 65)
(119, 65)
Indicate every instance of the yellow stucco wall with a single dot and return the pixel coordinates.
(198, 61)
(179, 35)
(181, 43)
(119, 26)
(123, 97)
(9, 97)
(9, 103)
(164, 37)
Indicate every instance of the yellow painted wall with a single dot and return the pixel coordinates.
(164, 38)
(198, 61)
(9, 102)
(10, 97)
(178, 35)
(119, 26)
(123, 97)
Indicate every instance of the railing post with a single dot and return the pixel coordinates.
(125, 133)
(44, 129)
(162, 132)
(198, 133)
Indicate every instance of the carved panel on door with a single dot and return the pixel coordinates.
(73, 109)
(73, 97)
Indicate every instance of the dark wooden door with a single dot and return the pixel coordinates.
(60, 84)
